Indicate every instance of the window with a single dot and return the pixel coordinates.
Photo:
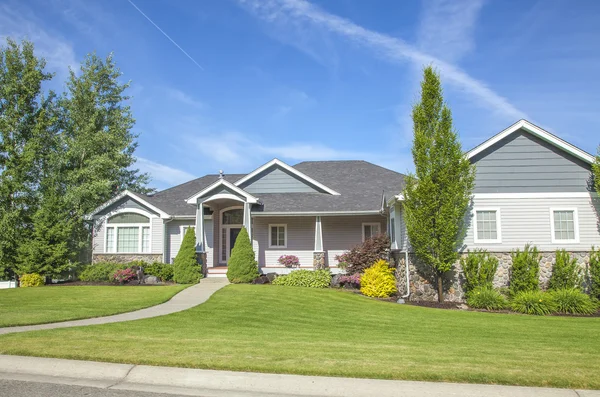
(370, 230)
(564, 226)
(233, 217)
(128, 232)
(184, 230)
(487, 225)
(277, 236)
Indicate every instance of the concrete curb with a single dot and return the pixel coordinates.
(211, 383)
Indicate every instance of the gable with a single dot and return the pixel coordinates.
(276, 179)
(523, 163)
(221, 189)
(125, 203)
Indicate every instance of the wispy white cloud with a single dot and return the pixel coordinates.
(20, 22)
(387, 47)
(163, 175)
(184, 98)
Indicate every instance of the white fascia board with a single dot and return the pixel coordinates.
(313, 213)
(132, 195)
(549, 195)
(287, 168)
(540, 133)
(222, 182)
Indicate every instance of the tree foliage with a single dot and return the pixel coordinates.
(362, 256)
(596, 171)
(479, 268)
(242, 266)
(437, 195)
(186, 269)
(524, 274)
(566, 273)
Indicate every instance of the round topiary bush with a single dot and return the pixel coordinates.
(378, 281)
(31, 280)
(186, 269)
(242, 266)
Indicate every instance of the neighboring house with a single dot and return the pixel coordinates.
(314, 210)
(530, 187)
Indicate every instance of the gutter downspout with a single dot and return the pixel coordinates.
(407, 276)
(165, 239)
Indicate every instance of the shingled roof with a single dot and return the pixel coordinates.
(361, 185)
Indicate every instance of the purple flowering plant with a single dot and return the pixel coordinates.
(351, 279)
(289, 261)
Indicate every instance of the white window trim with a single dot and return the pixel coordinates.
(117, 225)
(369, 224)
(285, 235)
(575, 225)
(498, 239)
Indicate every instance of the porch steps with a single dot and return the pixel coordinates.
(217, 272)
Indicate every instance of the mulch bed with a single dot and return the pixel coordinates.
(436, 305)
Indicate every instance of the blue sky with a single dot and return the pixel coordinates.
(323, 80)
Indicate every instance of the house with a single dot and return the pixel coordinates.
(314, 210)
(530, 187)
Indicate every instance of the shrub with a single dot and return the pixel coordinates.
(524, 275)
(305, 278)
(353, 280)
(31, 280)
(364, 255)
(186, 269)
(289, 260)
(101, 272)
(486, 298)
(163, 271)
(594, 271)
(124, 276)
(242, 266)
(573, 301)
(565, 273)
(533, 302)
(479, 268)
(378, 281)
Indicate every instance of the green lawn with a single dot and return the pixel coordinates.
(23, 306)
(267, 328)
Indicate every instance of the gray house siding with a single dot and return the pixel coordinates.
(300, 239)
(175, 237)
(98, 238)
(220, 190)
(276, 180)
(126, 202)
(524, 163)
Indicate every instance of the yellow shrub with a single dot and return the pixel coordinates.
(32, 280)
(378, 280)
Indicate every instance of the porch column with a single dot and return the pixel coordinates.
(318, 254)
(200, 227)
(248, 220)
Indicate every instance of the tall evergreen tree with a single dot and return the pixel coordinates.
(437, 196)
(596, 169)
(24, 129)
(98, 141)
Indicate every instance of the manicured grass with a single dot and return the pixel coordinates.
(24, 306)
(267, 328)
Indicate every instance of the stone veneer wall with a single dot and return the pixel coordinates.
(319, 260)
(126, 258)
(422, 280)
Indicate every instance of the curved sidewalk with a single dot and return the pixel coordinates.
(186, 299)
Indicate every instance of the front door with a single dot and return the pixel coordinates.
(233, 233)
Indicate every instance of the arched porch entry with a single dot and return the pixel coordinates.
(231, 220)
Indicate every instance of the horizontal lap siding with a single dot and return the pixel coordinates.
(175, 238)
(529, 221)
(300, 237)
(523, 163)
(341, 233)
(157, 236)
(305, 257)
(98, 238)
(276, 180)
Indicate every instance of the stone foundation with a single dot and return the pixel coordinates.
(319, 260)
(126, 258)
(423, 282)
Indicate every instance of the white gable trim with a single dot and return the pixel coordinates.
(222, 182)
(540, 133)
(127, 193)
(292, 170)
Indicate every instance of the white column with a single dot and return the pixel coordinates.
(200, 246)
(318, 235)
(248, 220)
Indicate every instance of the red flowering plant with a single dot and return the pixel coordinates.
(289, 261)
(350, 280)
(124, 276)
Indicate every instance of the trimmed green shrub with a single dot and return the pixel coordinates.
(242, 266)
(305, 278)
(524, 275)
(533, 302)
(594, 272)
(101, 272)
(186, 269)
(164, 271)
(479, 268)
(378, 281)
(573, 301)
(486, 298)
(31, 280)
(565, 273)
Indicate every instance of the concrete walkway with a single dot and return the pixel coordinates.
(188, 298)
(207, 383)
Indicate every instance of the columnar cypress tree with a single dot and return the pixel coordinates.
(186, 269)
(596, 169)
(242, 266)
(437, 196)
